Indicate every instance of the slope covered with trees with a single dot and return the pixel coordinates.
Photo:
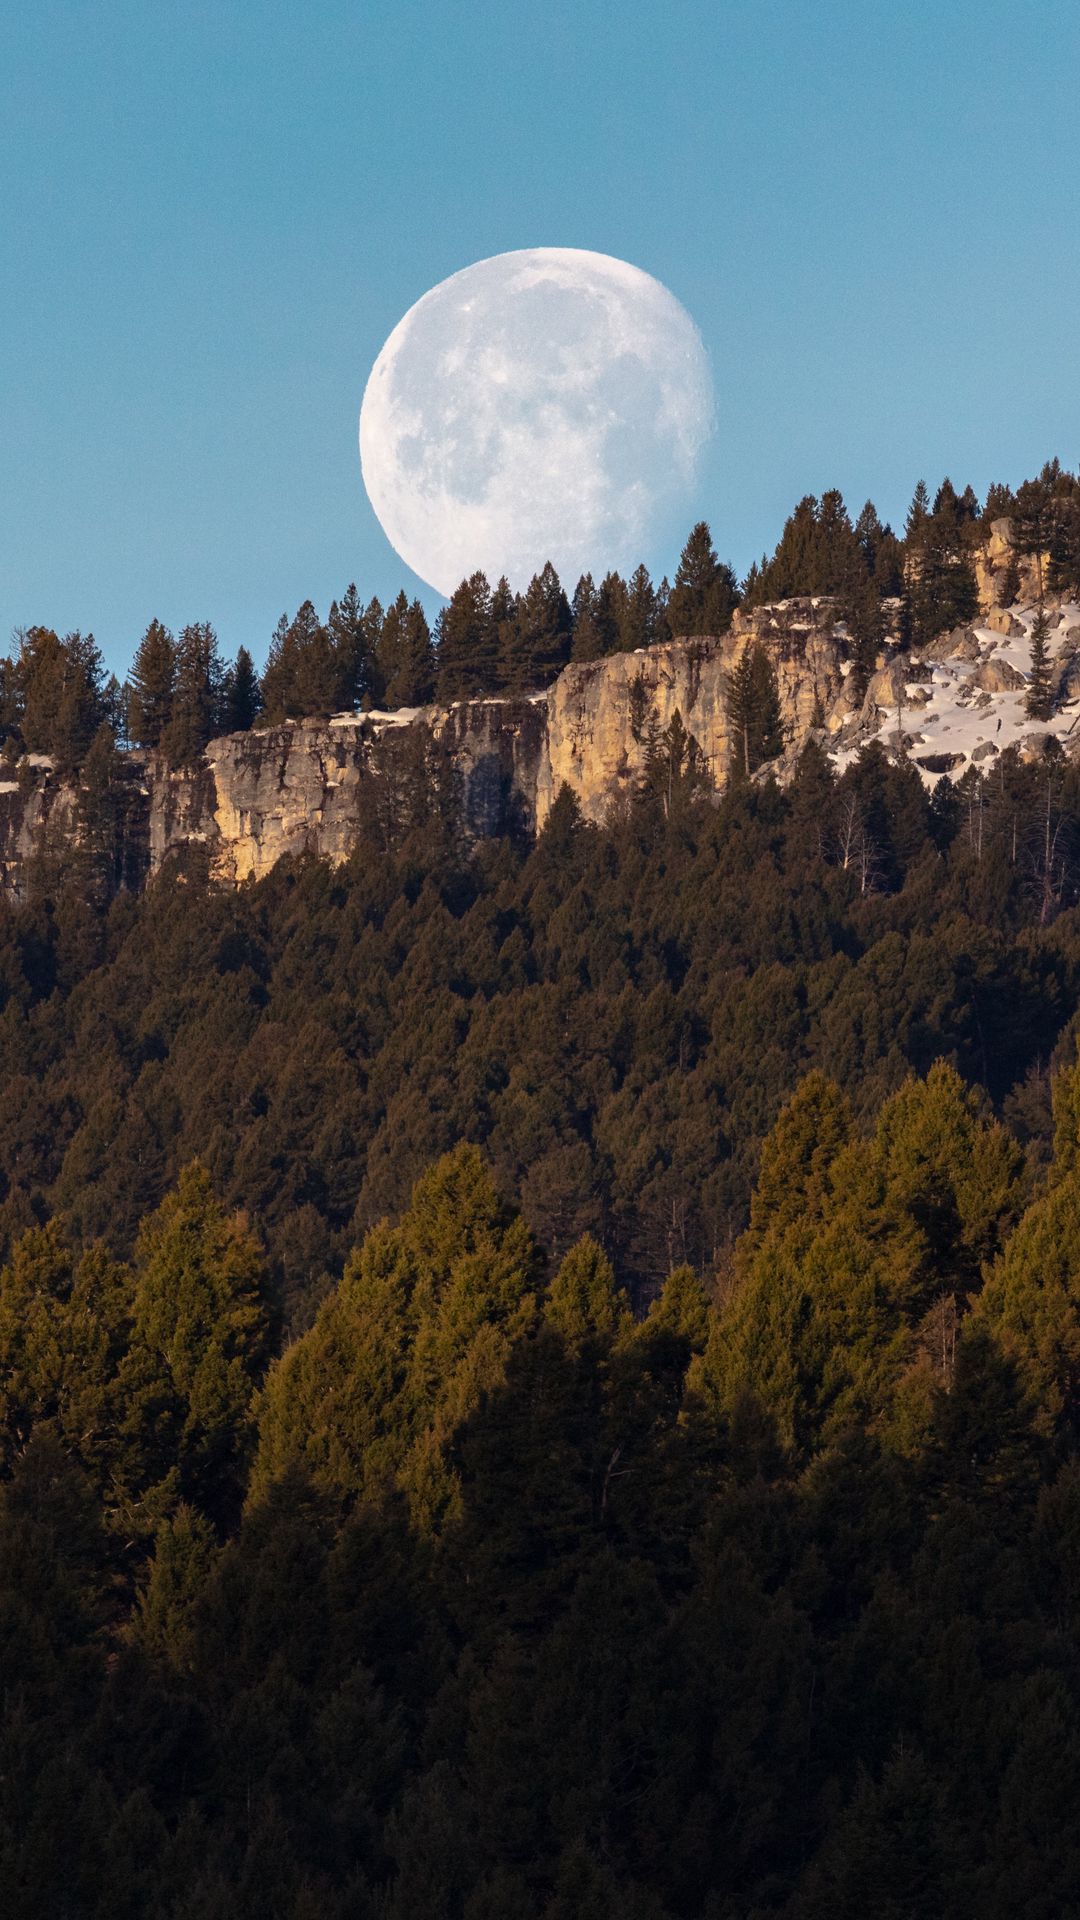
(543, 1380)
(487, 1597)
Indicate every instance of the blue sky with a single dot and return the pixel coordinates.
(213, 214)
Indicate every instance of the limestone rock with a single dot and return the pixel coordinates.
(992, 560)
(997, 676)
(297, 788)
(1067, 682)
(1000, 620)
(1036, 746)
(959, 643)
(886, 688)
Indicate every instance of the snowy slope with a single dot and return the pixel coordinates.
(945, 711)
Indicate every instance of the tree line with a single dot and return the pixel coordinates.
(489, 640)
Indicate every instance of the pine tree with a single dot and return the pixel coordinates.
(318, 684)
(199, 1339)
(705, 594)
(608, 613)
(467, 643)
(197, 695)
(674, 765)
(241, 700)
(542, 633)
(60, 700)
(639, 618)
(1033, 520)
(1009, 588)
(505, 616)
(302, 669)
(151, 686)
(587, 644)
(753, 709)
(918, 514)
(1038, 702)
(349, 630)
(416, 685)
(406, 658)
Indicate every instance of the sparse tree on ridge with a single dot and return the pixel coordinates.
(541, 633)
(352, 643)
(586, 644)
(642, 620)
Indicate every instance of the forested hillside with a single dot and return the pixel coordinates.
(614, 1014)
(488, 1598)
(539, 1378)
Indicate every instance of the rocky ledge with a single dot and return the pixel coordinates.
(300, 787)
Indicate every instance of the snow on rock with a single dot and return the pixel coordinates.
(971, 700)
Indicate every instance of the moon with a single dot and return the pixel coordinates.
(546, 404)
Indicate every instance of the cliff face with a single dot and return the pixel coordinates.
(304, 787)
(300, 787)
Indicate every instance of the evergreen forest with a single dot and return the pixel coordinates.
(540, 1380)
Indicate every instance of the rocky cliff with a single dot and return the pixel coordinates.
(298, 787)
(303, 787)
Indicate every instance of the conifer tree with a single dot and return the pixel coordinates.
(349, 632)
(241, 701)
(1009, 589)
(1033, 519)
(1038, 701)
(406, 657)
(59, 702)
(197, 695)
(918, 514)
(199, 1340)
(639, 613)
(753, 708)
(467, 643)
(505, 616)
(587, 642)
(541, 633)
(318, 685)
(302, 672)
(279, 674)
(705, 594)
(151, 686)
(608, 613)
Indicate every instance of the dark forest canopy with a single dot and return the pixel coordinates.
(486, 1597)
(613, 1014)
(54, 697)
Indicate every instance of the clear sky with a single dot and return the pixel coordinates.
(212, 215)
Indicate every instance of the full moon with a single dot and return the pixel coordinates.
(547, 404)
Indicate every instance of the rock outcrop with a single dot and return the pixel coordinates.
(299, 787)
(993, 560)
(311, 786)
